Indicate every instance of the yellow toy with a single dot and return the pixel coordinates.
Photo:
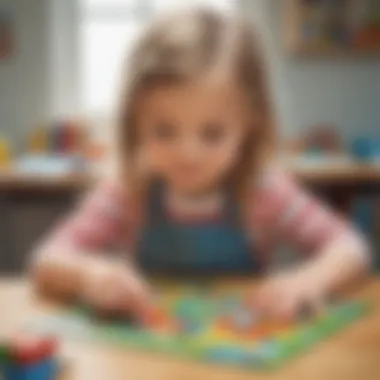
(38, 141)
(5, 153)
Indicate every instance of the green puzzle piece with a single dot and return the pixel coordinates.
(4, 353)
(194, 308)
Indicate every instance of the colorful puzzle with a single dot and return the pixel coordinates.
(208, 327)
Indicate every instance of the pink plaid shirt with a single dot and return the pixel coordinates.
(279, 212)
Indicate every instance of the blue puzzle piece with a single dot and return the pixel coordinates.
(190, 326)
(45, 370)
(268, 350)
(234, 355)
(230, 302)
(244, 319)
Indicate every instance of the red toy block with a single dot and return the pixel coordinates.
(28, 349)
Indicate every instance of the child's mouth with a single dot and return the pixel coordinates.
(188, 170)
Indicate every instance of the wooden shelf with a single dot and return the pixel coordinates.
(356, 173)
(324, 172)
(335, 171)
(321, 52)
(356, 39)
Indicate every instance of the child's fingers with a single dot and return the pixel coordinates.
(107, 298)
(133, 294)
(278, 300)
(266, 297)
(286, 306)
(287, 299)
(103, 291)
(138, 301)
(298, 305)
(318, 304)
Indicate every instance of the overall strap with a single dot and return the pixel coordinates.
(156, 211)
(232, 210)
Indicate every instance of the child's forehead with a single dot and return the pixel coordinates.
(204, 92)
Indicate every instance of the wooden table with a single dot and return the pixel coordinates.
(354, 354)
(29, 206)
(341, 180)
(13, 181)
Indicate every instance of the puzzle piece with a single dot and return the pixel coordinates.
(244, 319)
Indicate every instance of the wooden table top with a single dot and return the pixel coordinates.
(354, 354)
(20, 182)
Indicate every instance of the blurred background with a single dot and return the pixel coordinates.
(60, 64)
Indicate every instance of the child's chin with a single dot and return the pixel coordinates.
(192, 187)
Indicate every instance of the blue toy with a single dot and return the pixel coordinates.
(28, 358)
(366, 149)
(44, 370)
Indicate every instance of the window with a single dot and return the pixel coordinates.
(108, 29)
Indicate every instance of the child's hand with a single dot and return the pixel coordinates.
(56, 274)
(115, 288)
(287, 294)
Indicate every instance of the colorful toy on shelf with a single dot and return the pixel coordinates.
(366, 149)
(63, 137)
(28, 357)
(38, 141)
(58, 149)
(206, 326)
(323, 139)
(336, 25)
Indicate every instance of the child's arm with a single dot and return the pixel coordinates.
(68, 262)
(337, 253)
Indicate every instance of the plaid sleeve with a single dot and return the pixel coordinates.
(283, 212)
(100, 219)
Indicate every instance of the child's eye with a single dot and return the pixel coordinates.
(212, 132)
(165, 131)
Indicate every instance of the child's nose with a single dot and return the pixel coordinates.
(189, 149)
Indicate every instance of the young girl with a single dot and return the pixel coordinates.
(198, 192)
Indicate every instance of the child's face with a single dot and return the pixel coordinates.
(192, 133)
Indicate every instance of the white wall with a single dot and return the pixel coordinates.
(345, 92)
(64, 57)
(24, 87)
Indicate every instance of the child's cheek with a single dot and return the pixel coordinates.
(160, 157)
(226, 155)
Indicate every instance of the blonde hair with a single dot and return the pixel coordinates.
(181, 47)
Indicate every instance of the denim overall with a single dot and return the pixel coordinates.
(219, 246)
